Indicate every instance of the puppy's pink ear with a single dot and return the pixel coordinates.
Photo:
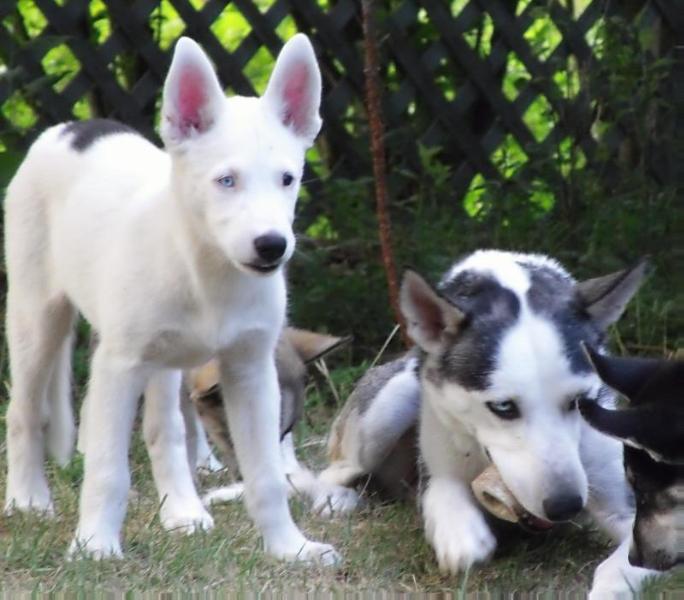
(294, 90)
(192, 94)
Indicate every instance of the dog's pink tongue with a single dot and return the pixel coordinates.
(538, 523)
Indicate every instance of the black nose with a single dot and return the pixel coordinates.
(562, 508)
(270, 247)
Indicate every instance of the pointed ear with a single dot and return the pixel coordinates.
(625, 375)
(294, 90)
(429, 316)
(193, 97)
(625, 424)
(311, 345)
(605, 298)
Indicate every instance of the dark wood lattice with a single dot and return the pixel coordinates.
(469, 124)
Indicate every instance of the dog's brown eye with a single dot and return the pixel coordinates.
(288, 178)
(506, 409)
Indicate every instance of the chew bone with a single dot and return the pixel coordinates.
(491, 492)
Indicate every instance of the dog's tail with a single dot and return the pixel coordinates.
(61, 431)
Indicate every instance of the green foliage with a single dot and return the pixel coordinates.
(594, 216)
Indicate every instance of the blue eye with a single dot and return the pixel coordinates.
(506, 409)
(226, 181)
(288, 178)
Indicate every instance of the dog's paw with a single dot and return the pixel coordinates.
(456, 529)
(458, 546)
(615, 578)
(228, 493)
(95, 547)
(37, 502)
(335, 501)
(187, 521)
(305, 551)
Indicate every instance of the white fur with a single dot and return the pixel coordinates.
(546, 450)
(616, 579)
(205, 458)
(504, 267)
(156, 253)
(369, 441)
(326, 498)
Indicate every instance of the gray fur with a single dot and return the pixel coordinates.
(86, 133)
(490, 310)
(375, 379)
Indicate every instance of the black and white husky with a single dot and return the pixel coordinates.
(496, 378)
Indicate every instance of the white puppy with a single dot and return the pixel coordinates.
(174, 257)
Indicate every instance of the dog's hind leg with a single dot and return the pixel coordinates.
(39, 320)
(113, 392)
(61, 431)
(39, 410)
(326, 499)
(381, 410)
(165, 436)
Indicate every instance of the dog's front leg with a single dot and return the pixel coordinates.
(611, 501)
(250, 390)
(113, 392)
(616, 579)
(164, 428)
(454, 525)
(611, 505)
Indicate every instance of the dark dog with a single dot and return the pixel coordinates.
(652, 429)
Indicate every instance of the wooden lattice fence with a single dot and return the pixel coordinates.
(468, 76)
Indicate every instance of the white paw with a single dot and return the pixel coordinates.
(96, 547)
(38, 502)
(458, 546)
(615, 578)
(306, 551)
(335, 501)
(455, 528)
(186, 521)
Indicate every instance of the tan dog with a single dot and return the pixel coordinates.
(296, 349)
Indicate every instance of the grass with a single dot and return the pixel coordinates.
(383, 545)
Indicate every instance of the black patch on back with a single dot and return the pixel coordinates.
(491, 309)
(552, 295)
(86, 133)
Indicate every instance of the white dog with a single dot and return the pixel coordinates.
(174, 257)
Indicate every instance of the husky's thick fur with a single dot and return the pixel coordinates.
(174, 257)
(652, 429)
(496, 378)
(296, 349)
